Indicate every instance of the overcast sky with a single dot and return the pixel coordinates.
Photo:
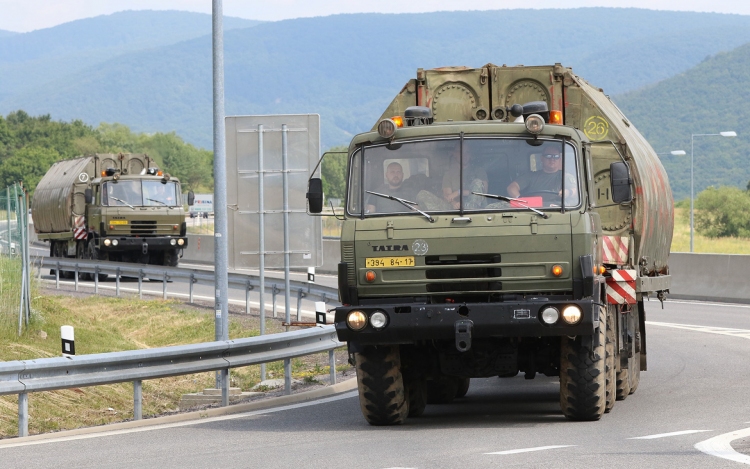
(28, 15)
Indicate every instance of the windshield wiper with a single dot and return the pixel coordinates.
(520, 202)
(120, 200)
(404, 202)
(157, 201)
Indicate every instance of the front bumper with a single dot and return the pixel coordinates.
(161, 243)
(418, 322)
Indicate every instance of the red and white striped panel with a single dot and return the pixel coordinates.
(615, 250)
(79, 228)
(621, 287)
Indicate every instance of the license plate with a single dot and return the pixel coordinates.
(405, 261)
(118, 222)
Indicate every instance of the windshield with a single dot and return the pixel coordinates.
(441, 176)
(137, 192)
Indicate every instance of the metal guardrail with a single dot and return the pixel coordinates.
(193, 276)
(46, 374)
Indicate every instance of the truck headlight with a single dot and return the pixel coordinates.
(107, 242)
(173, 242)
(180, 241)
(535, 124)
(356, 320)
(572, 314)
(115, 242)
(378, 320)
(550, 315)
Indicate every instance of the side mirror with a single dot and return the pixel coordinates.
(191, 198)
(315, 195)
(619, 175)
(88, 195)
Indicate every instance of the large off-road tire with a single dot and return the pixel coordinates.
(463, 386)
(583, 393)
(93, 253)
(442, 390)
(417, 393)
(171, 258)
(610, 315)
(81, 254)
(61, 251)
(382, 397)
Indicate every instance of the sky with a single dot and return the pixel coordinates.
(29, 15)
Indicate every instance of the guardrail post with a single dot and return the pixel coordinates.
(225, 387)
(332, 365)
(192, 281)
(274, 291)
(23, 414)
(287, 376)
(164, 287)
(300, 295)
(248, 287)
(57, 276)
(137, 400)
(117, 282)
(140, 284)
(76, 276)
(96, 280)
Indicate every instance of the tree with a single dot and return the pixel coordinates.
(28, 164)
(723, 211)
(333, 173)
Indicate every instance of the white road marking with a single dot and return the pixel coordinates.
(254, 413)
(742, 333)
(664, 435)
(720, 446)
(528, 450)
(704, 303)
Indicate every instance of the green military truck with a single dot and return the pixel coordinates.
(117, 207)
(499, 220)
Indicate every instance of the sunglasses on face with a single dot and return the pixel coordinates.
(555, 157)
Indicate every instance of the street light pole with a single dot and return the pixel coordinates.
(692, 138)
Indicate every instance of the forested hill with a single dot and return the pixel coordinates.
(40, 58)
(349, 67)
(708, 99)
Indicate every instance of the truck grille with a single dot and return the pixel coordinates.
(142, 227)
(459, 267)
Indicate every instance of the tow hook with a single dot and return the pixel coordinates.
(463, 334)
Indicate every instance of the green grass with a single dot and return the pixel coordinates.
(105, 324)
(703, 244)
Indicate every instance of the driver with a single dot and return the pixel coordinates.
(549, 179)
(394, 185)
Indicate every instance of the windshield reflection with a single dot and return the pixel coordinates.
(139, 193)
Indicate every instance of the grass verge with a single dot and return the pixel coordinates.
(703, 244)
(113, 324)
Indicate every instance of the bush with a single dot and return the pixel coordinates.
(723, 211)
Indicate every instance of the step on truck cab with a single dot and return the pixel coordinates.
(499, 221)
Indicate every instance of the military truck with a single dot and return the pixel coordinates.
(117, 207)
(499, 221)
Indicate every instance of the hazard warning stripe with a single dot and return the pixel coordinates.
(623, 275)
(615, 250)
(79, 233)
(620, 287)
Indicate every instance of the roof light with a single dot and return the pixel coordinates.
(398, 120)
(535, 124)
(387, 128)
(555, 117)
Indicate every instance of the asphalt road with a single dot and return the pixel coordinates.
(695, 393)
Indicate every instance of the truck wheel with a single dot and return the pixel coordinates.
(583, 383)
(442, 390)
(60, 250)
(81, 254)
(463, 387)
(171, 258)
(609, 362)
(417, 397)
(93, 253)
(381, 386)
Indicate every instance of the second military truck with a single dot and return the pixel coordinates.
(499, 220)
(117, 207)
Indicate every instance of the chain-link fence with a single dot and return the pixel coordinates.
(15, 303)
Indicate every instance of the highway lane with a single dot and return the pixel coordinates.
(695, 390)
